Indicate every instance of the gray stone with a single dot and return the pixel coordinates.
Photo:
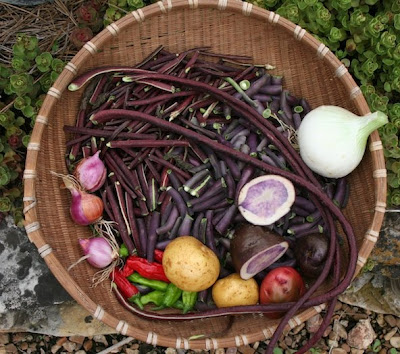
(31, 299)
(313, 323)
(362, 335)
(395, 341)
(377, 288)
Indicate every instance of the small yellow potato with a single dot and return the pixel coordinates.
(189, 264)
(235, 291)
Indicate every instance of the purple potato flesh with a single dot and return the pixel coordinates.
(265, 199)
(264, 259)
(255, 248)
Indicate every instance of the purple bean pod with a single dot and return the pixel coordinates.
(169, 222)
(296, 120)
(201, 188)
(174, 231)
(216, 187)
(154, 223)
(195, 179)
(179, 201)
(226, 221)
(210, 239)
(209, 203)
(186, 226)
(247, 174)
(341, 195)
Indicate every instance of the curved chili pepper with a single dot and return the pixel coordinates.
(149, 270)
(189, 299)
(154, 284)
(156, 297)
(158, 255)
(129, 291)
(172, 295)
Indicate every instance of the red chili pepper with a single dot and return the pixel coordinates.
(158, 255)
(129, 291)
(149, 270)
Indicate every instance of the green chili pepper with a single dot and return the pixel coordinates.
(156, 297)
(123, 251)
(178, 305)
(189, 299)
(154, 284)
(172, 294)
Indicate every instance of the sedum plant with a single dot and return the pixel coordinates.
(23, 85)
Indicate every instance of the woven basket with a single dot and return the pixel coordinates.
(310, 70)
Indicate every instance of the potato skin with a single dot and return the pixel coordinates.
(235, 291)
(189, 264)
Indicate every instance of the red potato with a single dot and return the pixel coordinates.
(282, 284)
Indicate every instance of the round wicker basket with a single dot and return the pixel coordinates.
(227, 26)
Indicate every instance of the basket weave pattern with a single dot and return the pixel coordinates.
(310, 70)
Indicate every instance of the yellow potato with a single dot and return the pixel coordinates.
(189, 264)
(235, 291)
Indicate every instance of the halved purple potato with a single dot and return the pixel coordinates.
(255, 248)
(265, 199)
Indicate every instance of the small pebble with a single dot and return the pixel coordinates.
(170, 351)
(55, 348)
(395, 341)
(345, 347)
(69, 346)
(356, 351)
(297, 329)
(88, 344)
(333, 343)
(24, 346)
(380, 320)
(289, 341)
(327, 331)
(339, 330)
(390, 334)
(4, 338)
(11, 349)
(80, 352)
(338, 351)
(362, 335)
(18, 337)
(131, 351)
(313, 323)
(77, 339)
(61, 341)
(100, 338)
(390, 320)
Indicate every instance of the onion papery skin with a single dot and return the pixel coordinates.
(85, 208)
(91, 172)
(99, 251)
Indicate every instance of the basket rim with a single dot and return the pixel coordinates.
(35, 233)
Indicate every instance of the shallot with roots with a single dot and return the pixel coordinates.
(190, 142)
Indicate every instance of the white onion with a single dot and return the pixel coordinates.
(332, 140)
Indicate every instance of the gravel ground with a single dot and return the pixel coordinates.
(352, 330)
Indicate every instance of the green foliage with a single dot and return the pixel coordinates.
(23, 85)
